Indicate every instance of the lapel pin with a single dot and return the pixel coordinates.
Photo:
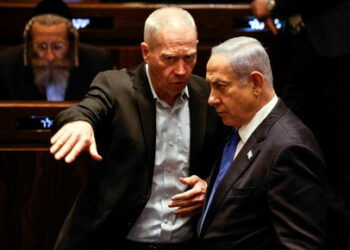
(249, 154)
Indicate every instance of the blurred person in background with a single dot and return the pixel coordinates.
(52, 64)
(316, 88)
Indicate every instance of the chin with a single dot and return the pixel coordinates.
(227, 122)
(179, 88)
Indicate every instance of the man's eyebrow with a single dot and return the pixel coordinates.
(167, 54)
(171, 54)
(194, 52)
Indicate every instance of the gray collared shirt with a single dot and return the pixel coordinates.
(157, 223)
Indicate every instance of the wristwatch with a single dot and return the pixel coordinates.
(270, 5)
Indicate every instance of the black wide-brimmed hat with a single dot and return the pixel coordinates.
(57, 7)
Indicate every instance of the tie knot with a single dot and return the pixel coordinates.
(235, 138)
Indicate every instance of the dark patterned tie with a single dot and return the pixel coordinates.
(226, 160)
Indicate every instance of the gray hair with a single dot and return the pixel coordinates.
(246, 54)
(167, 18)
(50, 20)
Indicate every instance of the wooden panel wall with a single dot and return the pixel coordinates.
(36, 191)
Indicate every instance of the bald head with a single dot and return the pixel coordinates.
(168, 19)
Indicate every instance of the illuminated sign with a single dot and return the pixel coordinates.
(34, 122)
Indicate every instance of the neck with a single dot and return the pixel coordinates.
(170, 100)
(267, 96)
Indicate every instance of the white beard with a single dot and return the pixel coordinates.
(53, 81)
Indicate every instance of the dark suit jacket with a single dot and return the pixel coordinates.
(16, 80)
(121, 105)
(326, 23)
(274, 199)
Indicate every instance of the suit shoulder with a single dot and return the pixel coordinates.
(283, 128)
(119, 77)
(290, 130)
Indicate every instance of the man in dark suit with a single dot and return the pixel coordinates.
(272, 191)
(52, 65)
(160, 139)
(316, 87)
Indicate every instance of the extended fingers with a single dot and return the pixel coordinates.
(195, 199)
(65, 145)
(190, 194)
(93, 152)
(72, 139)
(58, 140)
(198, 185)
(74, 149)
(189, 211)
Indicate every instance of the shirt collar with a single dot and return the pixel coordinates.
(246, 130)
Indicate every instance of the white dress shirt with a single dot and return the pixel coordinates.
(157, 223)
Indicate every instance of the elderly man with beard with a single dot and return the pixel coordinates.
(52, 65)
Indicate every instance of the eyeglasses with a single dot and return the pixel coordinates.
(56, 46)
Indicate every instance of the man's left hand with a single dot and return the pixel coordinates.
(191, 201)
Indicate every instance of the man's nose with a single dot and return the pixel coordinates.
(180, 68)
(49, 55)
(212, 100)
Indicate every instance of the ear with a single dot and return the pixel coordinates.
(258, 81)
(145, 51)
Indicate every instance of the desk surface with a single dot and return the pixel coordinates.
(16, 134)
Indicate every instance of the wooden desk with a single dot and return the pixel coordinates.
(36, 191)
(16, 132)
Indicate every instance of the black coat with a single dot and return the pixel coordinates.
(121, 105)
(326, 21)
(273, 196)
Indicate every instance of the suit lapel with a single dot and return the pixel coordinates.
(198, 117)
(240, 164)
(146, 107)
